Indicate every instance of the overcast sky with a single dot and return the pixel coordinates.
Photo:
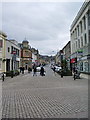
(45, 25)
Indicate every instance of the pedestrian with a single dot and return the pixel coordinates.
(54, 70)
(29, 69)
(34, 71)
(42, 71)
(3, 77)
(62, 73)
(22, 70)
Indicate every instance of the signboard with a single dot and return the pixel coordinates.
(73, 60)
(80, 52)
(13, 52)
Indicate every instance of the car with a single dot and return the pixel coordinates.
(57, 69)
(38, 69)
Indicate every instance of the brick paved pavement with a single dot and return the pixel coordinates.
(50, 96)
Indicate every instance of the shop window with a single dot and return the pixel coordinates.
(86, 67)
(81, 66)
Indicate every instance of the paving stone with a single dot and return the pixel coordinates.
(50, 96)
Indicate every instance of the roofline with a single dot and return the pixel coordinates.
(84, 5)
(2, 33)
(12, 43)
(66, 44)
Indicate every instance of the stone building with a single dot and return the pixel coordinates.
(35, 56)
(26, 54)
(80, 39)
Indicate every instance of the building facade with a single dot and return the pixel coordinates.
(12, 55)
(35, 56)
(3, 37)
(80, 39)
(9, 54)
(26, 55)
(67, 54)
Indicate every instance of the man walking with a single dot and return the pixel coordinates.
(42, 71)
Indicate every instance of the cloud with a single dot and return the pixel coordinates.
(45, 25)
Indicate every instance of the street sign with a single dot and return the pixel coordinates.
(14, 52)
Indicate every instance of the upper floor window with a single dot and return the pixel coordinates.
(89, 36)
(81, 26)
(78, 43)
(8, 49)
(0, 64)
(82, 41)
(11, 49)
(89, 17)
(78, 30)
(85, 38)
(1, 43)
(84, 19)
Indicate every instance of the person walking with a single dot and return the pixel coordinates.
(42, 71)
(22, 70)
(62, 73)
(29, 69)
(34, 71)
(54, 70)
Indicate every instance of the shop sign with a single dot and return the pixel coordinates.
(84, 58)
(73, 60)
(80, 52)
(13, 52)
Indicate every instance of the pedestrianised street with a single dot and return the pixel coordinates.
(50, 96)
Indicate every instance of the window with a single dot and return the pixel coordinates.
(1, 43)
(0, 64)
(86, 67)
(81, 26)
(89, 17)
(11, 49)
(81, 66)
(84, 19)
(78, 30)
(8, 49)
(82, 41)
(85, 38)
(78, 43)
(89, 36)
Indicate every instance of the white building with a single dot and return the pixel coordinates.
(80, 39)
(12, 55)
(3, 37)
